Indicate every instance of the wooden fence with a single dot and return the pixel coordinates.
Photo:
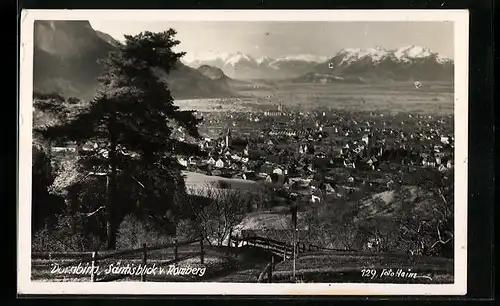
(94, 257)
(276, 247)
(284, 251)
(280, 248)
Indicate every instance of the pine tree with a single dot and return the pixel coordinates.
(129, 126)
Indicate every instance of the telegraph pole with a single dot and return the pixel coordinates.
(294, 229)
(294, 252)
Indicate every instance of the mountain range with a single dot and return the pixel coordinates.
(66, 55)
(243, 66)
(411, 63)
(354, 64)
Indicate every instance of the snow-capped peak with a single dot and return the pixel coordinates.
(214, 56)
(412, 52)
(353, 54)
(264, 60)
(208, 56)
(349, 55)
(303, 57)
(442, 59)
(238, 57)
(378, 53)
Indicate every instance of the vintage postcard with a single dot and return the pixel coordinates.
(243, 152)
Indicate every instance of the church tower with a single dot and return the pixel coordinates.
(228, 137)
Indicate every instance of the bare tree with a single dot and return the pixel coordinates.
(430, 229)
(224, 210)
(330, 224)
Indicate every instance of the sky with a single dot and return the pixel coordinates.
(276, 39)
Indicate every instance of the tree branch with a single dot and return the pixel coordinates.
(94, 212)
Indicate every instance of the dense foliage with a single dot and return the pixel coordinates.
(45, 206)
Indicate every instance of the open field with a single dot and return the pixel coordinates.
(434, 98)
(199, 180)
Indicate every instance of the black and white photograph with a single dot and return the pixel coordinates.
(243, 152)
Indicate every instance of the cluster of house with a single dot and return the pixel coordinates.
(292, 153)
(298, 151)
(300, 168)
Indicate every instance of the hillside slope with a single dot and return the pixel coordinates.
(217, 75)
(66, 58)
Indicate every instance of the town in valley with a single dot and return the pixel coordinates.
(305, 167)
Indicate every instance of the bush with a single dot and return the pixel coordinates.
(331, 224)
(63, 239)
(378, 234)
(187, 230)
(133, 233)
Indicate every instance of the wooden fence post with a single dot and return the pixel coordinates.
(202, 253)
(229, 242)
(92, 274)
(239, 246)
(176, 250)
(144, 261)
(270, 271)
(234, 246)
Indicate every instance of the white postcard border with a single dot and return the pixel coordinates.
(460, 18)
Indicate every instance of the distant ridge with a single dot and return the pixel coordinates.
(243, 66)
(218, 75)
(349, 65)
(66, 58)
(379, 64)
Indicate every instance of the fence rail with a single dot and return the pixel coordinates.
(281, 248)
(304, 247)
